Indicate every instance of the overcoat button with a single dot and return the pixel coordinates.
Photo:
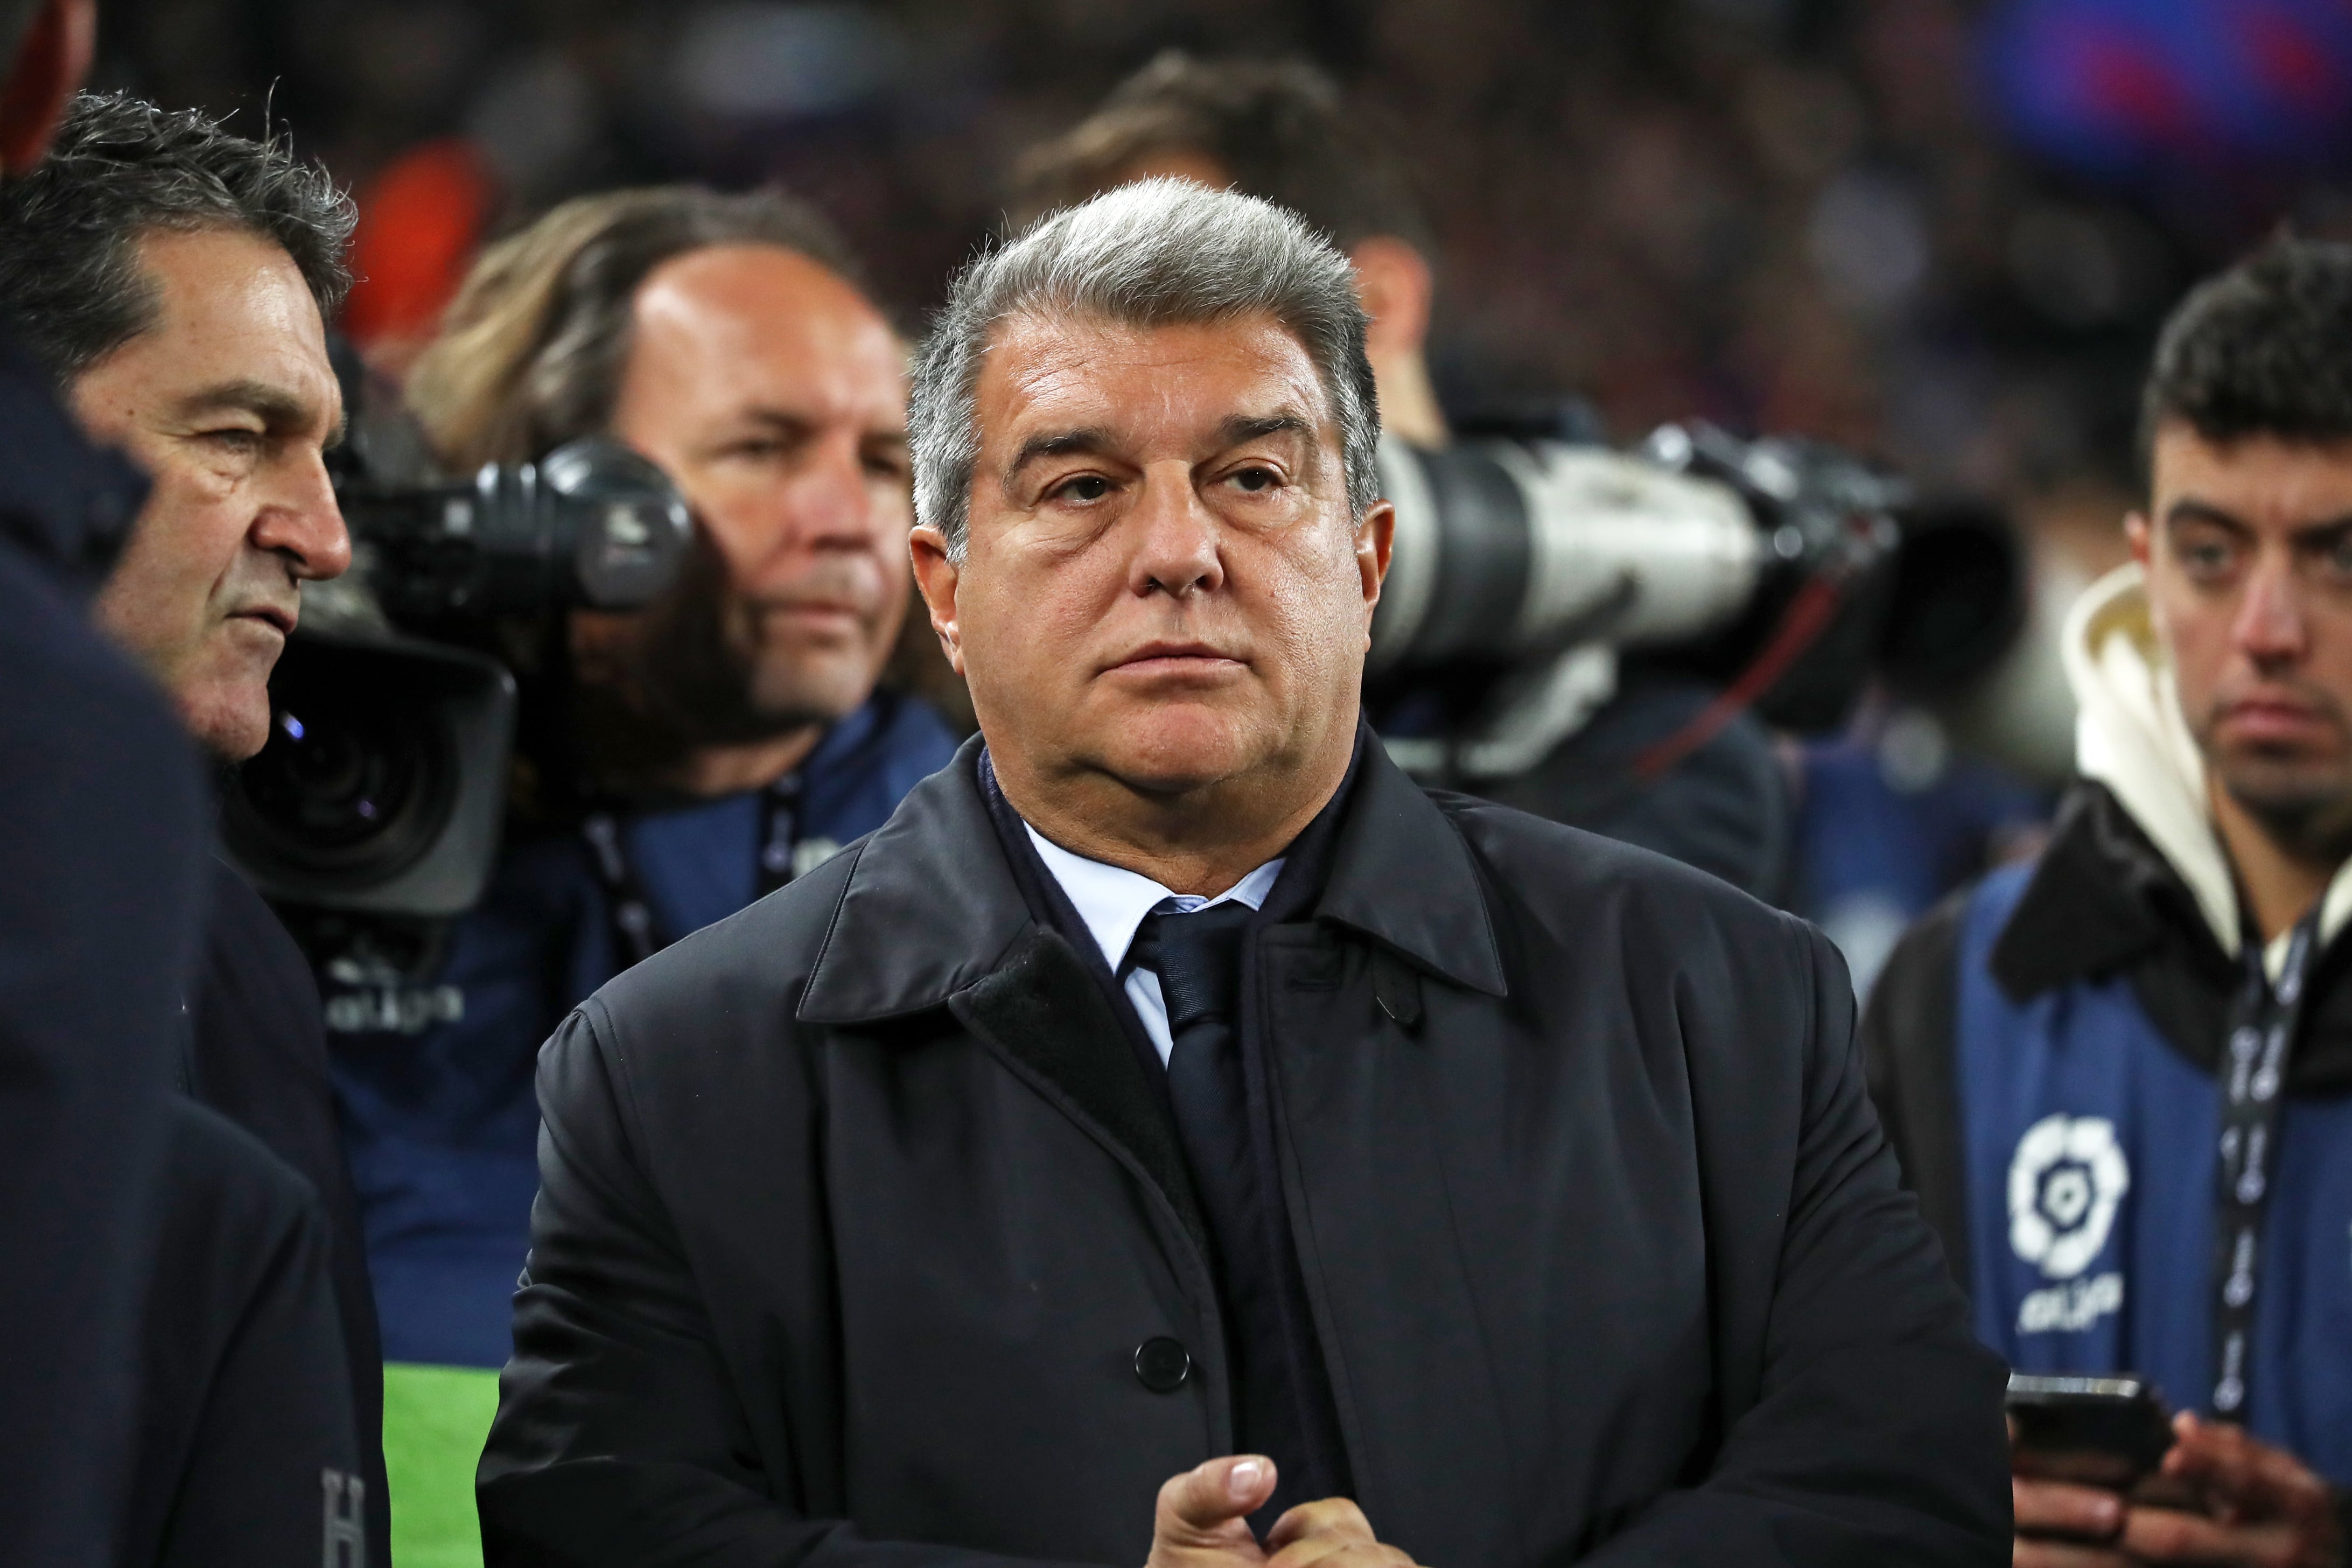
(1161, 1364)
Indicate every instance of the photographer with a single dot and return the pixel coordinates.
(173, 279)
(678, 763)
(2117, 1077)
(1280, 132)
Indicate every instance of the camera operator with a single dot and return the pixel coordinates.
(679, 762)
(2118, 1077)
(1279, 132)
(172, 279)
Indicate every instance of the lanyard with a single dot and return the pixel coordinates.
(635, 935)
(2262, 1031)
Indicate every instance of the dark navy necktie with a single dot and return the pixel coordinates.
(1198, 959)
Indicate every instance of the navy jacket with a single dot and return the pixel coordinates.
(248, 1453)
(101, 887)
(2044, 1052)
(856, 1210)
(435, 1078)
(256, 1054)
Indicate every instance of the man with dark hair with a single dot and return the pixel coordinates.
(2118, 1077)
(1282, 132)
(173, 280)
(1175, 1136)
(682, 761)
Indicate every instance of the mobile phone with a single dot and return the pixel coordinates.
(2110, 1432)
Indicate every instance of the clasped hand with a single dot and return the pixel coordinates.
(1203, 1521)
(2264, 1510)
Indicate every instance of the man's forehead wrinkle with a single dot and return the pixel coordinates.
(822, 359)
(1063, 380)
(1057, 396)
(1060, 376)
(1158, 344)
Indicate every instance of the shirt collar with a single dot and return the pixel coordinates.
(1112, 900)
(939, 899)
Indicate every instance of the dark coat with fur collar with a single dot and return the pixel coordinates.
(856, 1208)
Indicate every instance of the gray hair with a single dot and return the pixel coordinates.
(1159, 253)
(121, 168)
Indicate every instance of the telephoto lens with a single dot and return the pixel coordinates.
(1788, 571)
(1508, 548)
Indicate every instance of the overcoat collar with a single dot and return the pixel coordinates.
(2105, 901)
(930, 908)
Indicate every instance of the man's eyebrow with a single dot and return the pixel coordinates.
(1232, 432)
(767, 413)
(1058, 443)
(1243, 427)
(798, 423)
(273, 406)
(2189, 508)
(2321, 535)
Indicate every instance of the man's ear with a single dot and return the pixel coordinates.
(2141, 535)
(1374, 538)
(937, 576)
(1394, 284)
(51, 60)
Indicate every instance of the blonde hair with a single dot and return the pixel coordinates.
(533, 350)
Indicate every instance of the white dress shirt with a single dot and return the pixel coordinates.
(1113, 900)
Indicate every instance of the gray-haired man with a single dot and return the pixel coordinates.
(1173, 1102)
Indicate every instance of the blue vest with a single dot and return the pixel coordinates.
(2089, 1143)
(434, 1079)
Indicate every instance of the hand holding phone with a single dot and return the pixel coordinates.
(2104, 1480)
(2086, 1453)
(2107, 1432)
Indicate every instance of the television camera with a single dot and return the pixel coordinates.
(382, 785)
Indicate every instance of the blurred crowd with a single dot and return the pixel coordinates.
(1847, 218)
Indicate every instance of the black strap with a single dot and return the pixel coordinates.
(779, 848)
(2253, 1069)
(637, 934)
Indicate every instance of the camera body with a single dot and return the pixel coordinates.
(382, 789)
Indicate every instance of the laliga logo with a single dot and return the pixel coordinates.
(2064, 1184)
